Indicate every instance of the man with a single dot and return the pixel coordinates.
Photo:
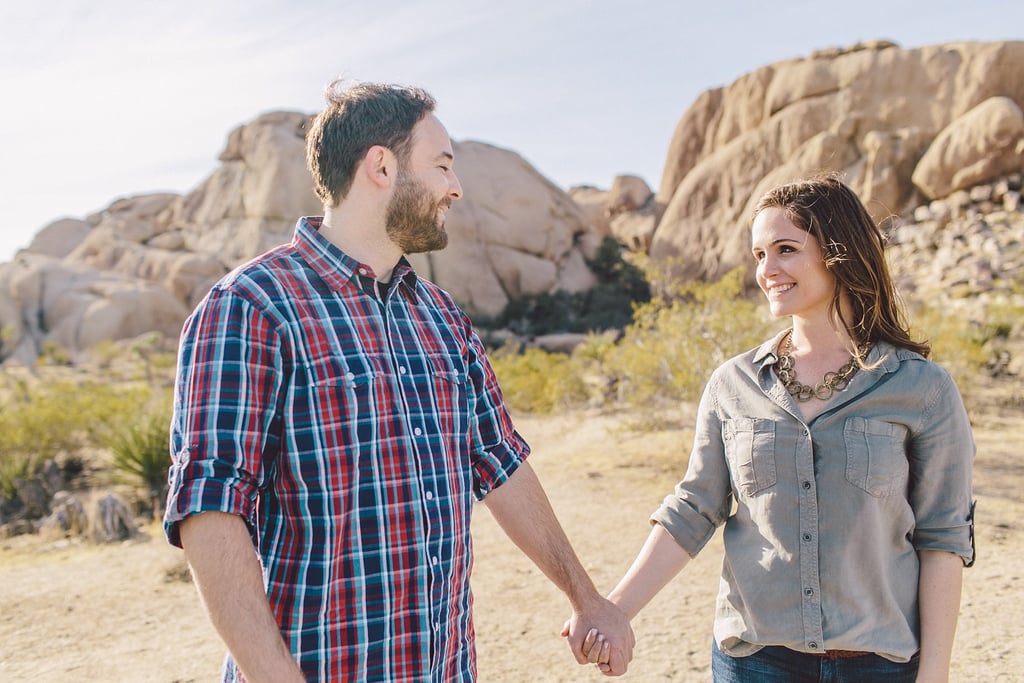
(338, 413)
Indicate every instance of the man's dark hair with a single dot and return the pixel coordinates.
(358, 117)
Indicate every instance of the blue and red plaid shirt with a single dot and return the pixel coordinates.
(351, 425)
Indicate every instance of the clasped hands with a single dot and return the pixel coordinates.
(601, 635)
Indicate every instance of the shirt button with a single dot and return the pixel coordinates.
(808, 592)
(429, 495)
(401, 370)
(362, 271)
(350, 376)
(807, 537)
(807, 484)
(433, 561)
(417, 431)
(813, 645)
(807, 432)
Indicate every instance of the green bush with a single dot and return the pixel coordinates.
(607, 305)
(661, 360)
(140, 454)
(536, 381)
(677, 340)
(40, 421)
(969, 346)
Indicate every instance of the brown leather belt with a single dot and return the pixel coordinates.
(838, 654)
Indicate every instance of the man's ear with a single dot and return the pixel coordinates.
(380, 166)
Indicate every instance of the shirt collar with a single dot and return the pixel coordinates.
(335, 267)
(765, 354)
(885, 355)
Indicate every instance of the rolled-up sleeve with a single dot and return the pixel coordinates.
(229, 368)
(701, 501)
(941, 457)
(497, 448)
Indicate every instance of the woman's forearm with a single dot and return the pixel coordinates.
(658, 561)
(939, 589)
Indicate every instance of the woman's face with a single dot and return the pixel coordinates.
(790, 267)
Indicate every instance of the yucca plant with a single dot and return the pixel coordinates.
(139, 454)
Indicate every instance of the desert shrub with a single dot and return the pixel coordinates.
(679, 337)
(607, 305)
(139, 450)
(662, 359)
(43, 421)
(969, 346)
(533, 380)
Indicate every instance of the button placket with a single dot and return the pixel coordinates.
(808, 528)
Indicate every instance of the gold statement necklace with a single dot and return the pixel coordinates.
(830, 383)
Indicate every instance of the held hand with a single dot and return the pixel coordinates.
(599, 633)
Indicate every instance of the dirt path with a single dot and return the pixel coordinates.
(75, 612)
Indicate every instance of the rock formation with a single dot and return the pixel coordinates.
(142, 263)
(968, 245)
(933, 135)
(512, 233)
(903, 126)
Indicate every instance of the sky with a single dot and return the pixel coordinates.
(103, 99)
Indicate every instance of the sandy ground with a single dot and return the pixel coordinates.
(76, 612)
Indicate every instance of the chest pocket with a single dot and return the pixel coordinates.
(750, 450)
(332, 371)
(876, 456)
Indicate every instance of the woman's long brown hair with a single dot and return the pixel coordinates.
(854, 252)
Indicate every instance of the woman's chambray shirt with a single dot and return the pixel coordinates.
(823, 521)
(352, 428)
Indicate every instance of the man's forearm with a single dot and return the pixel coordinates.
(228, 575)
(523, 511)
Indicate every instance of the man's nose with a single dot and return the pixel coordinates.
(454, 187)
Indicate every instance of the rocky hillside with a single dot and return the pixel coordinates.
(143, 263)
(904, 127)
(932, 139)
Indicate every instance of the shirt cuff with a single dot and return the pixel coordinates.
(689, 529)
(958, 540)
(204, 495)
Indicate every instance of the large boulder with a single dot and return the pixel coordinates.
(133, 238)
(250, 202)
(60, 237)
(74, 306)
(513, 233)
(143, 262)
(868, 112)
(984, 144)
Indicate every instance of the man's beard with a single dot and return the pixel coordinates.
(412, 217)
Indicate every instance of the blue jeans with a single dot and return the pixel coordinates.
(782, 665)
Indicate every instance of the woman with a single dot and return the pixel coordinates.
(839, 460)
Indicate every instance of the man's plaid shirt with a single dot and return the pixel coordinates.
(352, 426)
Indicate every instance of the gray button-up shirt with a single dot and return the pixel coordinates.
(823, 521)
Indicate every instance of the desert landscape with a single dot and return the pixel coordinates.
(71, 611)
(931, 138)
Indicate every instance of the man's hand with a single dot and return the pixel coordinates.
(599, 633)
